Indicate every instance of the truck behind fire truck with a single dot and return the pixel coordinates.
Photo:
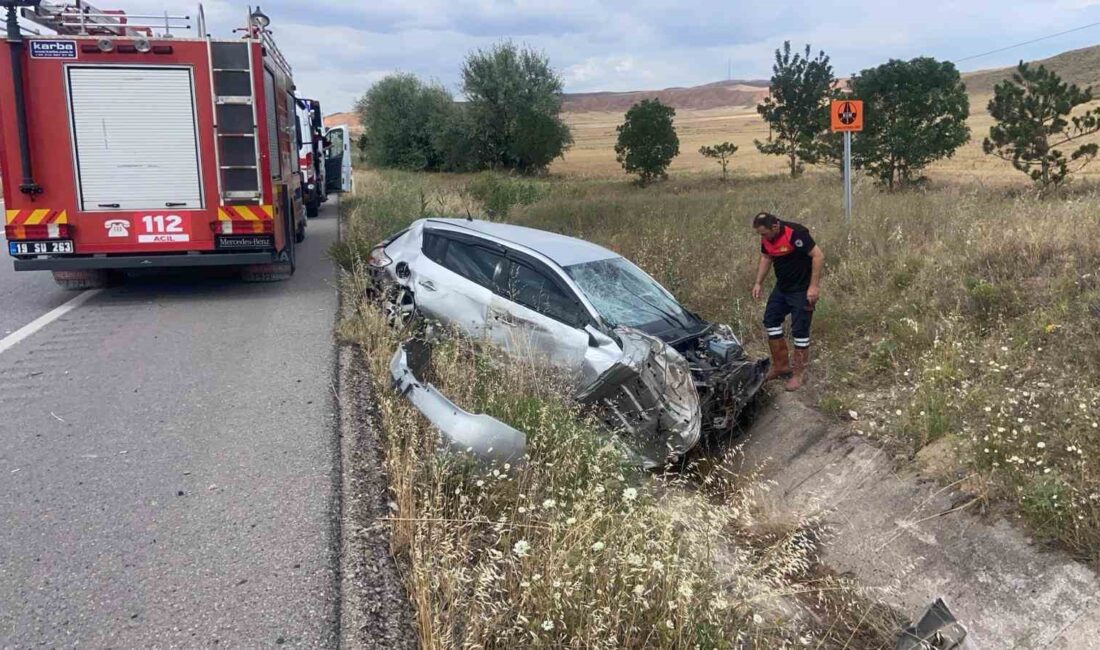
(312, 156)
(126, 146)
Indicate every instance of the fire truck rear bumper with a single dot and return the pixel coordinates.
(142, 262)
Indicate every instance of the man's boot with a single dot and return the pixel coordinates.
(781, 363)
(799, 360)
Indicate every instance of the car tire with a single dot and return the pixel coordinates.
(313, 209)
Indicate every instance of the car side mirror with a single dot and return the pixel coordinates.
(596, 338)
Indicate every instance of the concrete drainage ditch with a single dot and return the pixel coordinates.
(908, 538)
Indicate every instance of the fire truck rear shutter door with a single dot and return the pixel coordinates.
(135, 137)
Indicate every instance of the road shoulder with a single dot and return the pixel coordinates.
(374, 606)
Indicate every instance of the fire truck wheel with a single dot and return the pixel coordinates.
(313, 209)
(267, 273)
(81, 280)
(278, 271)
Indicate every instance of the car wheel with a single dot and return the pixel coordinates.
(400, 309)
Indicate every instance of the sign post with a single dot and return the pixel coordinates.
(847, 118)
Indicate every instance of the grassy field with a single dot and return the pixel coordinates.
(959, 328)
(593, 154)
(959, 325)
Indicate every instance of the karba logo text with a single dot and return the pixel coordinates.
(53, 49)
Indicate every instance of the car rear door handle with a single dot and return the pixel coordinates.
(427, 284)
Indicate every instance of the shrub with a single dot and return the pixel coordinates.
(513, 103)
(499, 193)
(721, 153)
(1033, 110)
(916, 113)
(647, 140)
(797, 109)
(400, 115)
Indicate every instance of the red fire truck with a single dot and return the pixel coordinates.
(126, 146)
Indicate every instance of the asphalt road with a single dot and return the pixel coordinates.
(168, 459)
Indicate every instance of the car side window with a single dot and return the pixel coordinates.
(475, 263)
(435, 247)
(534, 290)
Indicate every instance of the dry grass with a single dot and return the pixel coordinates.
(964, 316)
(593, 154)
(573, 547)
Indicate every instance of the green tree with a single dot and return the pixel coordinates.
(400, 114)
(721, 153)
(647, 140)
(451, 136)
(797, 110)
(914, 114)
(514, 106)
(1034, 118)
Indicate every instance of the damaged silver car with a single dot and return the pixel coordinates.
(661, 375)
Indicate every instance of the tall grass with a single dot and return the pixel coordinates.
(958, 316)
(958, 321)
(573, 547)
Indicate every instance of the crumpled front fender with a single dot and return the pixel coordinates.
(650, 395)
(484, 436)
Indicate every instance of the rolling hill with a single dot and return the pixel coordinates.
(1081, 67)
(720, 94)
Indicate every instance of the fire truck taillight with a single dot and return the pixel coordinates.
(243, 227)
(45, 231)
(378, 258)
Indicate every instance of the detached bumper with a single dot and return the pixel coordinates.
(143, 262)
(481, 435)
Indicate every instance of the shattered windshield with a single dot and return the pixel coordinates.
(624, 295)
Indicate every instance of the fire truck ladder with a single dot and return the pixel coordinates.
(78, 18)
(235, 107)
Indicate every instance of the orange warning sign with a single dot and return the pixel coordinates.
(847, 115)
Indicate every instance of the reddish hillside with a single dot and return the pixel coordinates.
(714, 95)
(350, 120)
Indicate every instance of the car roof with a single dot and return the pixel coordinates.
(565, 251)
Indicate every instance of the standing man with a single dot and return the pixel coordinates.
(798, 263)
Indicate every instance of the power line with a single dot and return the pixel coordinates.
(1041, 38)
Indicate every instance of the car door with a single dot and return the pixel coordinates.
(338, 160)
(347, 179)
(453, 283)
(533, 312)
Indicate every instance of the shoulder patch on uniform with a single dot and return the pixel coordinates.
(799, 243)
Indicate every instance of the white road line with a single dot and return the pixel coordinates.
(25, 332)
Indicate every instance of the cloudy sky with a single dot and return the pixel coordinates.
(339, 47)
